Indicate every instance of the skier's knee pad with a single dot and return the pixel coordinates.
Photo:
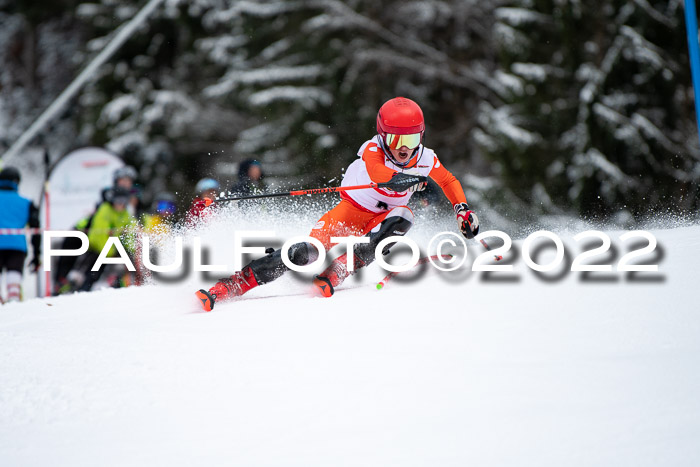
(302, 253)
(398, 222)
(401, 211)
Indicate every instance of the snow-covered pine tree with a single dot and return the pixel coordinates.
(597, 110)
(146, 104)
(315, 72)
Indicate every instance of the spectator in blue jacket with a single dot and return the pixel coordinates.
(16, 212)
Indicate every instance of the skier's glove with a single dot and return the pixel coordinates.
(402, 182)
(467, 220)
(34, 264)
(419, 187)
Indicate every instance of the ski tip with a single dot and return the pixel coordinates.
(322, 286)
(380, 285)
(205, 299)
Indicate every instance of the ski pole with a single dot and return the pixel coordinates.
(381, 284)
(488, 248)
(311, 191)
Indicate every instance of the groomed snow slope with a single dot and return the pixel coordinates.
(435, 372)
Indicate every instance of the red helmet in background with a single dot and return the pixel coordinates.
(400, 123)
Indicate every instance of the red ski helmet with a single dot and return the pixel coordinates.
(400, 123)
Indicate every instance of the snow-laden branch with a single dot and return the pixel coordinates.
(273, 74)
(306, 96)
(521, 16)
(262, 10)
(647, 52)
(400, 61)
(499, 121)
(264, 76)
(343, 16)
(668, 21)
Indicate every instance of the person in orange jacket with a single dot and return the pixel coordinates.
(395, 156)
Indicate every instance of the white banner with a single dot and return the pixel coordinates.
(76, 183)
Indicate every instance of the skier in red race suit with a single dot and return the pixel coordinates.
(395, 156)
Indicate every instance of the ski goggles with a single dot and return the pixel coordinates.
(165, 207)
(398, 141)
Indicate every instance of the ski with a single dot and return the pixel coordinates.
(310, 294)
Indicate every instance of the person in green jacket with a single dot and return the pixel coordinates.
(112, 219)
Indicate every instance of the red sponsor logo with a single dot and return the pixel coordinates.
(90, 164)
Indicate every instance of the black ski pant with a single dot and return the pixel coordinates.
(270, 267)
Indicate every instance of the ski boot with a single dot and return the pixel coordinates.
(227, 288)
(324, 284)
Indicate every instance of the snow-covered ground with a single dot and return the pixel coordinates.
(450, 369)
